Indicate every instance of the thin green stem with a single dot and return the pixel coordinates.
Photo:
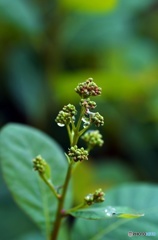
(80, 119)
(90, 147)
(84, 130)
(69, 133)
(76, 131)
(73, 125)
(74, 209)
(73, 136)
(51, 186)
(60, 205)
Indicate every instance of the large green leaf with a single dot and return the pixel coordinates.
(10, 216)
(142, 197)
(19, 145)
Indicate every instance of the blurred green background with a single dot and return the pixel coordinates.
(47, 47)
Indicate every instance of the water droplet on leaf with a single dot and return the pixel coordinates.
(110, 211)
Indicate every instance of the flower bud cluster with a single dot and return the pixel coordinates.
(78, 154)
(70, 109)
(88, 88)
(87, 103)
(93, 138)
(97, 119)
(96, 197)
(66, 115)
(99, 195)
(39, 164)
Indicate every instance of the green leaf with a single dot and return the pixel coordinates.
(21, 15)
(142, 197)
(19, 144)
(31, 236)
(10, 216)
(28, 83)
(96, 213)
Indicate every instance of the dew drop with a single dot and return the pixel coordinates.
(110, 211)
(86, 122)
(90, 113)
(60, 124)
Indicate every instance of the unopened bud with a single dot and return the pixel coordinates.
(78, 154)
(93, 138)
(88, 88)
(97, 119)
(96, 197)
(41, 166)
(99, 196)
(66, 115)
(89, 199)
(87, 103)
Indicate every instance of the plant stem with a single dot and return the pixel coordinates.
(76, 131)
(69, 133)
(73, 141)
(74, 209)
(50, 185)
(83, 130)
(60, 206)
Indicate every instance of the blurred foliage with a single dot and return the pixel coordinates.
(22, 15)
(105, 175)
(47, 47)
(88, 6)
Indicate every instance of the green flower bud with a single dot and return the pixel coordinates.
(41, 166)
(96, 197)
(78, 154)
(63, 118)
(89, 199)
(70, 109)
(88, 88)
(66, 115)
(87, 103)
(97, 119)
(93, 138)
